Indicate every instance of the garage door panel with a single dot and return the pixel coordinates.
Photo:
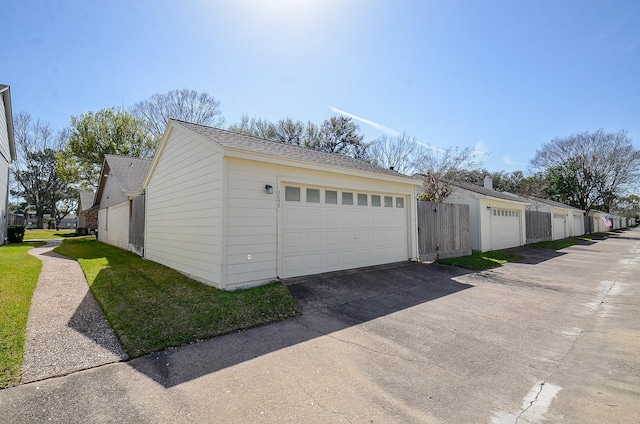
(319, 237)
(313, 241)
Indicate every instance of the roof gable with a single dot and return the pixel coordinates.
(128, 172)
(86, 201)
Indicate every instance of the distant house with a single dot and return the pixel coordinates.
(233, 211)
(7, 156)
(87, 213)
(497, 220)
(566, 221)
(120, 202)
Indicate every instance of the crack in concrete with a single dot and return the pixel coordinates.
(559, 362)
(315, 402)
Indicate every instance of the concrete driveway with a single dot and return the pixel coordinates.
(554, 338)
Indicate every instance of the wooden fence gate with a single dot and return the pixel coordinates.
(538, 226)
(443, 230)
(588, 224)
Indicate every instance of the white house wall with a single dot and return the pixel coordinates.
(183, 209)
(113, 225)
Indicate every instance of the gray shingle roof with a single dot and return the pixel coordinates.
(129, 172)
(247, 143)
(556, 204)
(86, 200)
(489, 192)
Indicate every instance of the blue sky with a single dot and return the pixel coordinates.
(504, 76)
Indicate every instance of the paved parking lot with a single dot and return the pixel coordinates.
(553, 338)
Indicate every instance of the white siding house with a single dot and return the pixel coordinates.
(7, 155)
(497, 220)
(120, 182)
(234, 211)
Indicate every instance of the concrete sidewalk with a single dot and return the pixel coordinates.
(67, 330)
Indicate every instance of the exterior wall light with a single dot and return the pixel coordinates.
(269, 189)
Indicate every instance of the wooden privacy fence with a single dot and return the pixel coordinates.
(136, 225)
(443, 230)
(538, 226)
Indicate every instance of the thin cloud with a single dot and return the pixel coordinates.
(480, 149)
(387, 130)
(366, 121)
(507, 159)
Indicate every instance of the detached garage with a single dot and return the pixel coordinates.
(496, 220)
(233, 211)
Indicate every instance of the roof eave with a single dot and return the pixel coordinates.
(9, 116)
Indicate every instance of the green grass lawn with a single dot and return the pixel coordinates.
(152, 307)
(555, 244)
(19, 272)
(39, 234)
(481, 260)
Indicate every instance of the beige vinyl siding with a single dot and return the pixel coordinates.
(102, 225)
(251, 223)
(118, 234)
(113, 225)
(183, 211)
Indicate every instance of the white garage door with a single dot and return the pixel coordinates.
(327, 229)
(559, 231)
(578, 225)
(505, 228)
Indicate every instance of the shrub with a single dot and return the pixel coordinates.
(15, 233)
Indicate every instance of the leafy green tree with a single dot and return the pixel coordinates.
(95, 134)
(589, 169)
(339, 134)
(39, 184)
(186, 105)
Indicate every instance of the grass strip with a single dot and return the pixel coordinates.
(152, 307)
(40, 234)
(19, 272)
(481, 260)
(555, 244)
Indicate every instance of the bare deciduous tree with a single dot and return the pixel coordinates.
(34, 176)
(441, 168)
(589, 169)
(398, 153)
(186, 105)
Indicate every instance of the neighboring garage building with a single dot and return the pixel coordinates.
(120, 202)
(233, 211)
(566, 221)
(497, 220)
(7, 156)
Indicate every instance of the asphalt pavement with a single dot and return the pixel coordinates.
(553, 338)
